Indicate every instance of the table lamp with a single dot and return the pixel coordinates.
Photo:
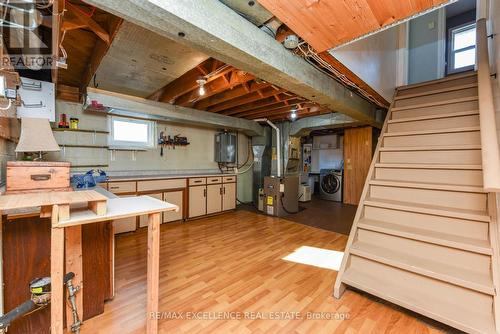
(36, 136)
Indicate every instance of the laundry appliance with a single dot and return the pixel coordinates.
(331, 184)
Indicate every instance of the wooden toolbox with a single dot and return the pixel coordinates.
(32, 176)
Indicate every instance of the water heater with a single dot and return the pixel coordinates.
(225, 147)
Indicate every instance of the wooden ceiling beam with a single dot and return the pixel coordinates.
(187, 82)
(229, 95)
(100, 50)
(80, 16)
(277, 106)
(252, 97)
(267, 102)
(219, 85)
(280, 111)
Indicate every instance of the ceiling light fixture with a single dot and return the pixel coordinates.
(293, 115)
(201, 82)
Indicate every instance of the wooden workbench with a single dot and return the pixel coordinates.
(66, 222)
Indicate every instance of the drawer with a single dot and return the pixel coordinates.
(228, 179)
(121, 187)
(103, 185)
(161, 184)
(36, 176)
(214, 180)
(197, 181)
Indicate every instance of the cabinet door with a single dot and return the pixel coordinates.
(214, 198)
(173, 197)
(143, 220)
(229, 196)
(125, 224)
(197, 201)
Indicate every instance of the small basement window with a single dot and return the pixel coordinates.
(131, 133)
(463, 48)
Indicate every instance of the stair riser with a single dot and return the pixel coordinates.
(444, 176)
(436, 110)
(466, 299)
(439, 254)
(435, 124)
(455, 138)
(439, 85)
(451, 199)
(459, 227)
(456, 94)
(471, 157)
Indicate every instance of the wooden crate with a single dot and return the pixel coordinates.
(31, 176)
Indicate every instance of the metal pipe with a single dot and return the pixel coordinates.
(278, 142)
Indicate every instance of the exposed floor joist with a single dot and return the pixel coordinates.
(241, 44)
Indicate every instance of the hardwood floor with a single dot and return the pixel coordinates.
(233, 263)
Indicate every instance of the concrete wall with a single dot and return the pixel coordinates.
(198, 157)
(424, 48)
(374, 59)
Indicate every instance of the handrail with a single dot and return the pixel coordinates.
(489, 137)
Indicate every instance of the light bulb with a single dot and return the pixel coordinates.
(293, 115)
(201, 90)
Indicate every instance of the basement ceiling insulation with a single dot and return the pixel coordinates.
(140, 61)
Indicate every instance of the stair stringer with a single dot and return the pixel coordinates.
(494, 232)
(340, 287)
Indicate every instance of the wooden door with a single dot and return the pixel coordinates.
(214, 198)
(174, 197)
(143, 220)
(125, 224)
(229, 196)
(197, 201)
(357, 159)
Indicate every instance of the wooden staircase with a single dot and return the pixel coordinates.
(425, 233)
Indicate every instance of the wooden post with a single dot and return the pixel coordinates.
(56, 274)
(153, 272)
(73, 251)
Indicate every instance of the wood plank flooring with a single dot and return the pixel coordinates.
(233, 263)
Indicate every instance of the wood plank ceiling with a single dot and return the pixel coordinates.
(325, 24)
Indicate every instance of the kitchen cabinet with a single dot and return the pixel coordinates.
(143, 220)
(214, 198)
(174, 197)
(197, 201)
(228, 196)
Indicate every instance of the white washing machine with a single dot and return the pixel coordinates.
(331, 184)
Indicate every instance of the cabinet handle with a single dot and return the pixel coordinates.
(204, 192)
(41, 177)
(115, 187)
(224, 190)
(197, 181)
(220, 190)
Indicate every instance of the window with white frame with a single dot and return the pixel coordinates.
(462, 48)
(131, 133)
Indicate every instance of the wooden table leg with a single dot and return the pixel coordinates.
(74, 264)
(153, 272)
(56, 275)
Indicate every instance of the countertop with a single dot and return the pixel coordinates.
(163, 177)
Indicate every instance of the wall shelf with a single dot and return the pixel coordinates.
(80, 130)
(85, 146)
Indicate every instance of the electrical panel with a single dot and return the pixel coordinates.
(225, 147)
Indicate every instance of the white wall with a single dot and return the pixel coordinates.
(374, 59)
(198, 157)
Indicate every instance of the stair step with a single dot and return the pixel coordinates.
(438, 238)
(432, 186)
(436, 91)
(429, 209)
(429, 166)
(434, 124)
(433, 104)
(428, 132)
(434, 156)
(433, 82)
(431, 148)
(422, 295)
(437, 116)
(436, 95)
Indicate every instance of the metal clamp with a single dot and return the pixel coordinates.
(31, 85)
(33, 106)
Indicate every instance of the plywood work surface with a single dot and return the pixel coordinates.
(29, 200)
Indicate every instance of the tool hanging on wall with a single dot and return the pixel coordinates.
(171, 142)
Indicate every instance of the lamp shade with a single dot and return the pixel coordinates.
(36, 136)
